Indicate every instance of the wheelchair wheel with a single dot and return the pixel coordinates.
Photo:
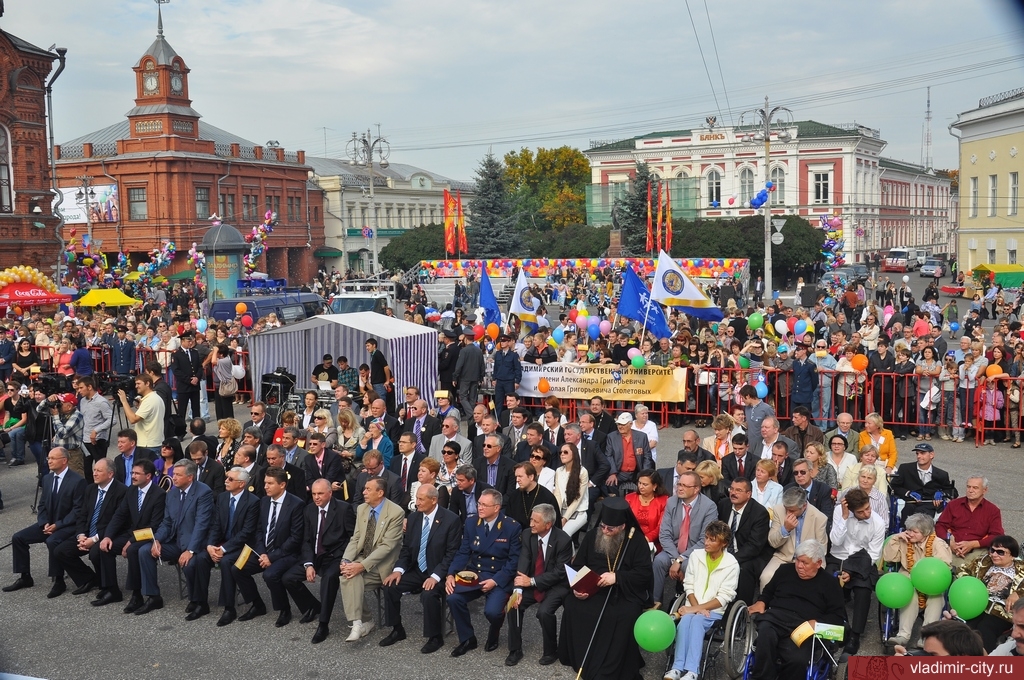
(739, 639)
(888, 622)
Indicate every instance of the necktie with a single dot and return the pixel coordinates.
(320, 532)
(684, 531)
(272, 529)
(51, 507)
(487, 529)
(538, 569)
(142, 497)
(740, 464)
(96, 513)
(735, 524)
(128, 471)
(417, 429)
(231, 516)
(405, 472)
(182, 499)
(422, 558)
(371, 529)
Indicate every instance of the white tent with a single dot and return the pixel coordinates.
(411, 349)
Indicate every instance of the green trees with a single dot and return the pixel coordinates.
(548, 187)
(491, 227)
(744, 238)
(631, 214)
(422, 243)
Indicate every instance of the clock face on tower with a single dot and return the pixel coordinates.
(176, 84)
(150, 83)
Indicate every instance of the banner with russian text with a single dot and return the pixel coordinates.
(583, 381)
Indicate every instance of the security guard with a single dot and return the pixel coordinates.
(485, 565)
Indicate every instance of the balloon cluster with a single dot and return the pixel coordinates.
(433, 316)
(119, 270)
(88, 266)
(198, 260)
(757, 201)
(257, 240)
(158, 259)
(26, 274)
(832, 248)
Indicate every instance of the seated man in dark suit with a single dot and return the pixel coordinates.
(209, 471)
(750, 523)
(406, 463)
(685, 462)
(540, 579)
(741, 463)
(373, 466)
(783, 463)
(233, 527)
(533, 436)
(921, 485)
(489, 426)
(198, 429)
(294, 476)
(56, 520)
(593, 460)
(322, 462)
(260, 420)
(819, 494)
(432, 537)
(422, 426)
(142, 510)
(102, 499)
(494, 468)
(466, 492)
(329, 524)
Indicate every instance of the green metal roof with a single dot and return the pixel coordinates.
(805, 128)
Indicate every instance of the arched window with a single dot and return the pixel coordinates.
(714, 187)
(778, 176)
(746, 185)
(6, 193)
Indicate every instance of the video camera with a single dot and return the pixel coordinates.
(108, 384)
(49, 383)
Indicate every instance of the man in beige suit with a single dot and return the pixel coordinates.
(793, 521)
(371, 553)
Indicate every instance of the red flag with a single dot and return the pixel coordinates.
(449, 223)
(650, 234)
(659, 215)
(460, 226)
(668, 219)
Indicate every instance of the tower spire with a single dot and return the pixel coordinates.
(160, 17)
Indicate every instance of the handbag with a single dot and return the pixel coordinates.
(706, 378)
(228, 387)
(931, 399)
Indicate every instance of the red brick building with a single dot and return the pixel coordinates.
(27, 225)
(161, 173)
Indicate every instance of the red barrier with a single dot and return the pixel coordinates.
(998, 409)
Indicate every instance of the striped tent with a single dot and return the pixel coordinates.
(410, 349)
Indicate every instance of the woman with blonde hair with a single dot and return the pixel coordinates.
(720, 443)
(868, 458)
(766, 489)
(710, 475)
(822, 471)
(349, 433)
(229, 432)
(324, 424)
(884, 441)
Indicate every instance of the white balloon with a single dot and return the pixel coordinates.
(906, 279)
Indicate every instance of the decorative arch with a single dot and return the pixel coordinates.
(6, 172)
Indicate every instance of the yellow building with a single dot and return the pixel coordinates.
(991, 164)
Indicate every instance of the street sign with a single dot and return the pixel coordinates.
(367, 232)
(778, 223)
(777, 239)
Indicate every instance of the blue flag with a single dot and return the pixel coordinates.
(492, 314)
(635, 303)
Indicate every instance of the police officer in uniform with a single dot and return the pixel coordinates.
(485, 566)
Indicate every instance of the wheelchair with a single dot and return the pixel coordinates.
(824, 663)
(730, 638)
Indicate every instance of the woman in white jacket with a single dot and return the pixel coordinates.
(712, 575)
(571, 482)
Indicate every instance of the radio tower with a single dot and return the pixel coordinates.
(928, 134)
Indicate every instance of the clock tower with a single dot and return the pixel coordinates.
(162, 108)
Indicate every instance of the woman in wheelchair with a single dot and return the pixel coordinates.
(712, 575)
(918, 540)
(799, 592)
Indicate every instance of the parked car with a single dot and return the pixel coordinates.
(933, 268)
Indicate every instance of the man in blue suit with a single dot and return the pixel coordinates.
(181, 535)
(56, 520)
(122, 353)
(7, 353)
(490, 551)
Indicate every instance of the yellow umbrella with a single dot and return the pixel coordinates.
(111, 296)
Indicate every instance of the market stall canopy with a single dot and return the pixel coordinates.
(111, 296)
(1006, 275)
(29, 294)
(134, 276)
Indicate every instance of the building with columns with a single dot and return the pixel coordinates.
(404, 197)
(817, 169)
(162, 172)
(991, 140)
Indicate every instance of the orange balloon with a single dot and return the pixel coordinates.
(493, 331)
(859, 362)
(241, 307)
(17, 310)
(543, 385)
(994, 370)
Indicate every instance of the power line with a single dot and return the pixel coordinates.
(703, 60)
(728, 107)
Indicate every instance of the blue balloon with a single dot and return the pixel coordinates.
(558, 335)
(594, 329)
(761, 389)
(769, 184)
(201, 325)
(954, 326)
(801, 327)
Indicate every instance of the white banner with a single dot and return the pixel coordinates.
(103, 207)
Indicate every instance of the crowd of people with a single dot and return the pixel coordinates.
(795, 490)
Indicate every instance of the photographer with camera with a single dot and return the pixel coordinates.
(68, 426)
(160, 386)
(38, 429)
(96, 411)
(148, 418)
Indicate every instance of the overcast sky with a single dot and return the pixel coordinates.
(449, 79)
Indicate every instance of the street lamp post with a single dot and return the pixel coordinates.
(84, 197)
(766, 117)
(361, 150)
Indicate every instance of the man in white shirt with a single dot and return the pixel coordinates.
(148, 419)
(857, 535)
(770, 435)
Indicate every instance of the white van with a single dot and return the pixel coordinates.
(900, 259)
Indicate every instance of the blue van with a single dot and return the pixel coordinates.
(289, 307)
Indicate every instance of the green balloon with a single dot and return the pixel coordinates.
(894, 590)
(931, 576)
(744, 362)
(755, 321)
(638, 361)
(654, 631)
(969, 597)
